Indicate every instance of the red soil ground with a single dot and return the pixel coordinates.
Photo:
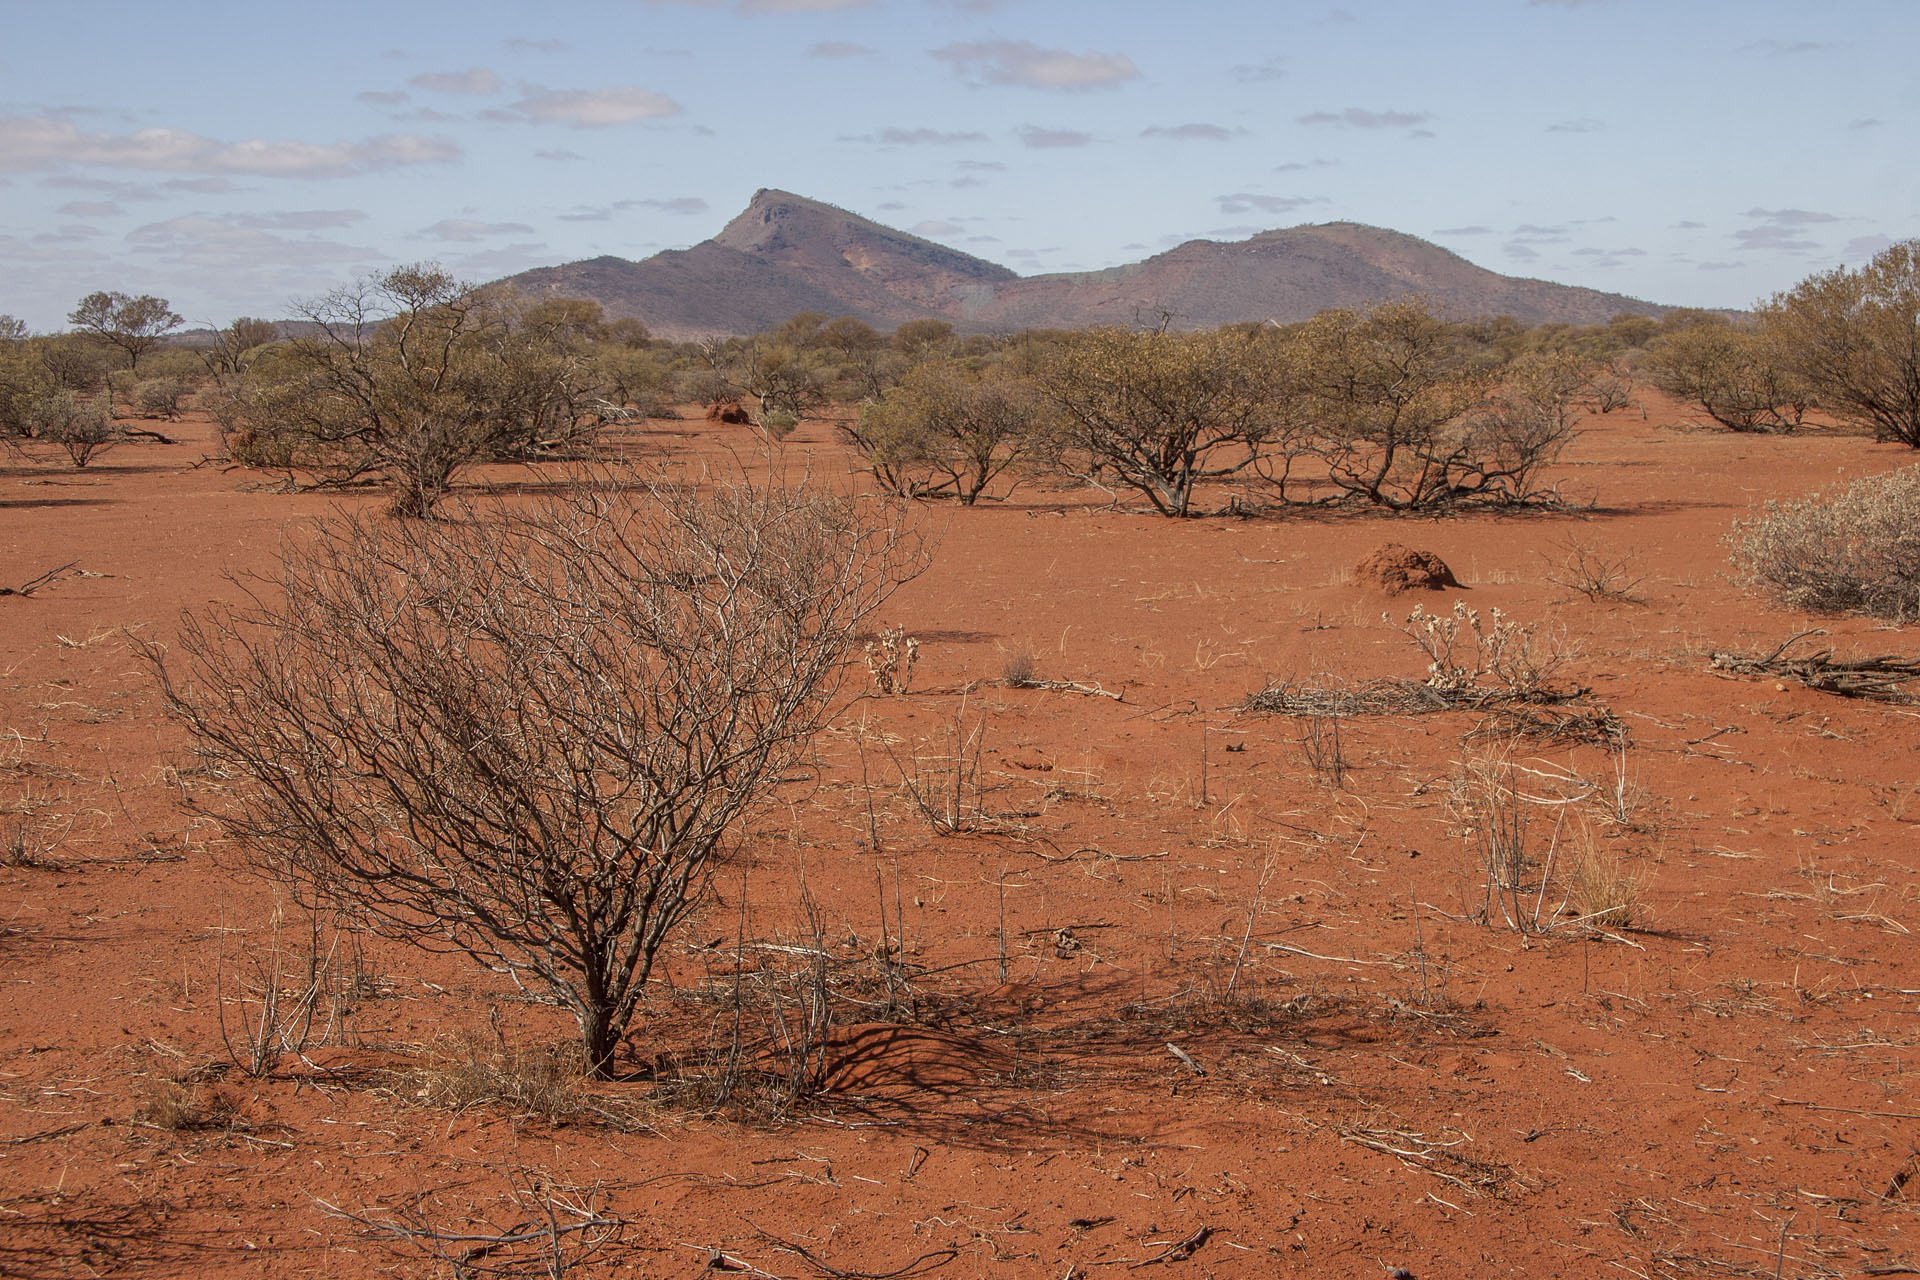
(1369, 1080)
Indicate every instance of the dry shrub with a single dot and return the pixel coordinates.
(1854, 549)
(1596, 572)
(474, 1070)
(1019, 669)
(183, 1108)
(1604, 892)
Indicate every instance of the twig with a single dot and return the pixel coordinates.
(1179, 1251)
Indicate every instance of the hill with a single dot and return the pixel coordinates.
(786, 254)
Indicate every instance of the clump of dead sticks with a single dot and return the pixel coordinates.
(1888, 678)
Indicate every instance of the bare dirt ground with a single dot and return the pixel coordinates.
(1369, 1079)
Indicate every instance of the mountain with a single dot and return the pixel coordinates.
(786, 254)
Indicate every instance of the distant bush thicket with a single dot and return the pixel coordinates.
(1852, 549)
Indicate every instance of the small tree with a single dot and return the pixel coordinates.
(1384, 391)
(82, 427)
(526, 735)
(135, 325)
(1158, 411)
(1854, 338)
(948, 427)
(1733, 374)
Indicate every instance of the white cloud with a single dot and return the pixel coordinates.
(473, 80)
(595, 108)
(384, 97)
(936, 227)
(1585, 124)
(44, 142)
(521, 44)
(1022, 63)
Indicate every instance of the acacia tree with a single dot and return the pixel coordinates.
(526, 735)
(1854, 337)
(1158, 411)
(948, 427)
(1385, 390)
(134, 325)
(1733, 374)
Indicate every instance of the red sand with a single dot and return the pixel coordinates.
(1720, 1092)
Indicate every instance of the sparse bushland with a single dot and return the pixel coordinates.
(1853, 338)
(1736, 375)
(412, 378)
(527, 734)
(1851, 549)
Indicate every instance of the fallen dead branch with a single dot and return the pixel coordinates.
(34, 584)
(937, 1258)
(1179, 1251)
(1880, 679)
(1091, 688)
(1396, 698)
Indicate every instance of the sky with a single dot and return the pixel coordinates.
(236, 158)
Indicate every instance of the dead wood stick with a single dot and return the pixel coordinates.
(33, 585)
(912, 1268)
(1179, 1251)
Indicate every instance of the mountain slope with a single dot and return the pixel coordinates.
(786, 254)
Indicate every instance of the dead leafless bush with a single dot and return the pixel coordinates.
(294, 989)
(1322, 747)
(1854, 549)
(525, 734)
(944, 778)
(1596, 572)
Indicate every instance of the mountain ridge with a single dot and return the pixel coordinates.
(784, 254)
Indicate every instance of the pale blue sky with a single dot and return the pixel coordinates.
(232, 157)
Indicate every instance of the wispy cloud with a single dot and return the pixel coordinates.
(1786, 48)
(1361, 118)
(1027, 65)
(384, 97)
(1585, 124)
(678, 205)
(475, 80)
(468, 230)
(1033, 135)
(840, 50)
(594, 108)
(1475, 230)
(520, 44)
(1249, 202)
(44, 142)
(1263, 72)
(1781, 230)
(1861, 248)
(922, 137)
(1195, 132)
